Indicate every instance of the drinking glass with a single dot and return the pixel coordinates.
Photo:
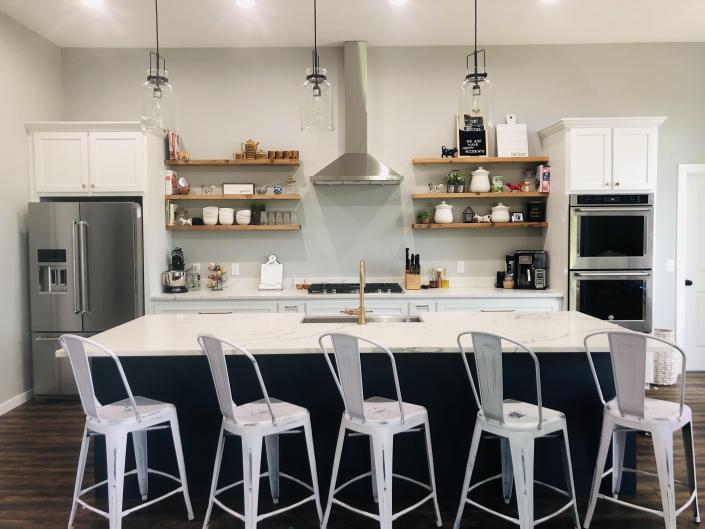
(271, 218)
(294, 217)
(279, 218)
(286, 217)
(263, 218)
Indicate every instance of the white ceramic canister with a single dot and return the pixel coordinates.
(500, 213)
(480, 182)
(444, 213)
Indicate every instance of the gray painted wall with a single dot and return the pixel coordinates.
(225, 96)
(30, 91)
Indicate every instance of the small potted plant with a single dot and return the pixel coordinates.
(423, 217)
(455, 181)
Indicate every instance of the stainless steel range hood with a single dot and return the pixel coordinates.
(356, 166)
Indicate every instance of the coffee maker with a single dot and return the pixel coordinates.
(531, 269)
(174, 280)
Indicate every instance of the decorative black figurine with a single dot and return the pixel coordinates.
(448, 153)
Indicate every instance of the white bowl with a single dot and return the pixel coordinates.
(226, 211)
(210, 222)
(210, 210)
(243, 221)
(244, 212)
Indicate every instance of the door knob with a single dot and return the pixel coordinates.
(688, 282)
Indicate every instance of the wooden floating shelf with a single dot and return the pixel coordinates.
(230, 162)
(293, 196)
(480, 225)
(480, 195)
(480, 160)
(236, 227)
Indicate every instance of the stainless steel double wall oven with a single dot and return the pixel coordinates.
(611, 257)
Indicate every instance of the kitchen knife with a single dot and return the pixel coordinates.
(408, 263)
(418, 263)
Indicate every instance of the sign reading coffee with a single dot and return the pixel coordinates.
(472, 136)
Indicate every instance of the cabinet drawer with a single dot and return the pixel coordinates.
(500, 305)
(291, 306)
(416, 307)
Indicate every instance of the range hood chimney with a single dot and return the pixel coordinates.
(356, 166)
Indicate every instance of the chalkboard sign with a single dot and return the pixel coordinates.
(472, 136)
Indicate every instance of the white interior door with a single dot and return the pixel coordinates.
(691, 268)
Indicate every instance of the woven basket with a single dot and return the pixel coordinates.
(667, 364)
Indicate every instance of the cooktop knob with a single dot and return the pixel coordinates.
(325, 291)
(379, 291)
(333, 291)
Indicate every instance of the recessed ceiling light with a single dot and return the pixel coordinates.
(549, 1)
(398, 2)
(245, 3)
(93, 4)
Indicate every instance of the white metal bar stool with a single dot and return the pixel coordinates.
(380, 419)
(517, 425)
(133, 415)
(631, 411)
(254, 422)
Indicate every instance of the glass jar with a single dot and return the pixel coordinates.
(477, 101)
(316, 101)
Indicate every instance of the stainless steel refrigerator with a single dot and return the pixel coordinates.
(85, 276)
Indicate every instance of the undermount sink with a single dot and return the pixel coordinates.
(370, 319)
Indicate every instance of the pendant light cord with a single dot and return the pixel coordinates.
(475, 50)
(315, 38)
(156, 20)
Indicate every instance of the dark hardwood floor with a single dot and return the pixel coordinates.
(39, 446)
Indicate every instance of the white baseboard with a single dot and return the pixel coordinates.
(18, 400)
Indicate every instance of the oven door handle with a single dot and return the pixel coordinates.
(607, 209)
(611, 274)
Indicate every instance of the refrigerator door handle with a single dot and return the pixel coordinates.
(83, 252)
(76, 278)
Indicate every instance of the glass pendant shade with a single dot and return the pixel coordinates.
(477, 101)
(316, 101)
(157, 102)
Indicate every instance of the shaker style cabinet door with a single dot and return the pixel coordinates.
(590, 159)
(634, 159)
(116, 162)
(60, 162)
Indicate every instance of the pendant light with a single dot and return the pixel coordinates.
(316, 92)
(157, 93)
(476, 97)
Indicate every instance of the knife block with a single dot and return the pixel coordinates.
(412, 281)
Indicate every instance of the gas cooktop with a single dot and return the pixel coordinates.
(354, 288)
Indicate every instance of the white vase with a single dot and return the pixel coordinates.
(480, 182)
(444, 214)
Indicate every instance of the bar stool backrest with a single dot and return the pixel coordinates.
(348, 377)
(212, 347)
(628, 354)
(75, 348)
(487, 349)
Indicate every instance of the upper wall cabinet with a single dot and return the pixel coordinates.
(83, 160)
(606, 155)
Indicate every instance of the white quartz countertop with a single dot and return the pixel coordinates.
(240, 293)
(176, 334)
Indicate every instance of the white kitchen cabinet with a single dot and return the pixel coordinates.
(373, 307)
(591, 159)
(609, 154)
(116, 161)
(60, 162)
(87, 158)
(500, 305)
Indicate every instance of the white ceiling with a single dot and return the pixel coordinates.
(222, 23)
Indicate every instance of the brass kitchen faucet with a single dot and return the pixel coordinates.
(360, 312)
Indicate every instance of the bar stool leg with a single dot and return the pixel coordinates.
(216, 474)
(383, 447)
(605, 439)
(251, 461)
(139, 444)
(568, 468)
(619, 443)
(83, 455)
(116, 445)
(312, 464)
(663, 450)
(522, 448)
(271, 443)
(176, 436)
(334, 474)
(507, 471)
(689, 446)
(431, 471)
(374, 472)
(474, 445)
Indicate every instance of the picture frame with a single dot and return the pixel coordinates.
(238, 189)
(518, 216)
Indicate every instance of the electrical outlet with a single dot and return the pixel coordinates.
(460, 267)
(235, 269)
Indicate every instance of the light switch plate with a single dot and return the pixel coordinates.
(460, 267)
(235, 269)
(670, 265)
